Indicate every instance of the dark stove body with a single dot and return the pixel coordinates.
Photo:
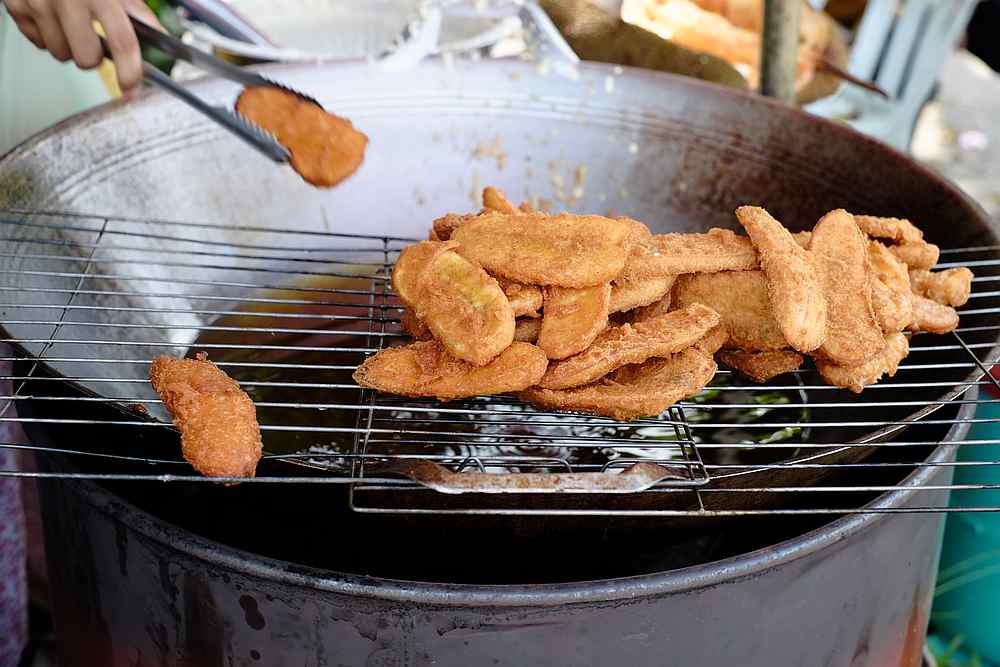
(132, 589)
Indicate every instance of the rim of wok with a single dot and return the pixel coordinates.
(724, 95)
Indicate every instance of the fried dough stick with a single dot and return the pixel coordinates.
(537, 249)
(673, 254)
(762, 366)
(740, 298)
(325, 149)
(794, 286)
(426, 369)
(643, 390)
(572, 319)
(220, 435)
(632, 344)
(950, 287)
(867, 372)
(840, 250)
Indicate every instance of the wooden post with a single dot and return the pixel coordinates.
(780, 49)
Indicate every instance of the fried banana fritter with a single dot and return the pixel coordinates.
(840, 251)
(794, 286)
(898, 230)
(761, 366)
(713, 341)
(632, 344)
(426, 369)
(740, 298)
(495, 200)
(892, 298)
(325, 149)
(629, 294)
(674, 254)
(526, 329)
(410, 266)
(526, 300)
(919, 255)
(933, 317)
(220, 435)
(412, 325)
(652, 311)
(643, 390)
(572, 319)
(536, 249)
(950, 287)
(867, 372)
(464, 308)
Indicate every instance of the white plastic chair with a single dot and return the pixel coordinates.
(901, 46)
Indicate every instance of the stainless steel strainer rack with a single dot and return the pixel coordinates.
(88, 301)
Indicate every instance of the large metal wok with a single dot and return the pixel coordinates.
(675, 153)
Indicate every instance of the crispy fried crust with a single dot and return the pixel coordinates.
(410, 266)
(629, 294)
(643, 390)
(464, 308)
(740, 298)
(674, 254)
(443, 227)
(325, 149)
(220, 436)
(536, 249)
(494, 200)
(867, 372)
(762, 366)
(632, 344)
(794, 286)
(652, 311)
(527, 329)
(526, 300)
(932, 317)
(950, 287)
(840, 251)
(412, 325)
(572, 319)
(919, 255)
(426, 369)
(898, 230)
(713, 341)
(891, 296)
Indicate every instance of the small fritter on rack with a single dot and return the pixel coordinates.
(599, 315)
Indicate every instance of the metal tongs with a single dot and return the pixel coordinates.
(257, 137)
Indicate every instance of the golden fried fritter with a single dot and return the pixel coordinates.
(933, 317)
(410, 266)
(412, 325)
(674, 254)
(950, 287)
(917, 255)
(526, 300)
(803, 239)
(536, 249)
(740, 298)
(220, 436)
(867, 372)
(627, 294)
(713, 341)
(794, 286)
(896, 229)
(572, 318)
(325, 149)
(840, 251)
(643, 390)
(762, 366)
(632, 344)
(426, 369)
(464, 308)
(650, 312)
(526, 329)
(892, 298)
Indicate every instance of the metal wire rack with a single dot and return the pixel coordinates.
(86, 303)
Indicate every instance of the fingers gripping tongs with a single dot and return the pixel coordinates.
(228, 118)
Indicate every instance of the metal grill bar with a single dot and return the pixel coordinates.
(96, 298)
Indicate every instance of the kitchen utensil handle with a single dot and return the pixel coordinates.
(224, 20)
(633, 479)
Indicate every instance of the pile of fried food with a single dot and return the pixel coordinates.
(599, 315)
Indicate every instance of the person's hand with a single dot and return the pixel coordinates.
(65, 29)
